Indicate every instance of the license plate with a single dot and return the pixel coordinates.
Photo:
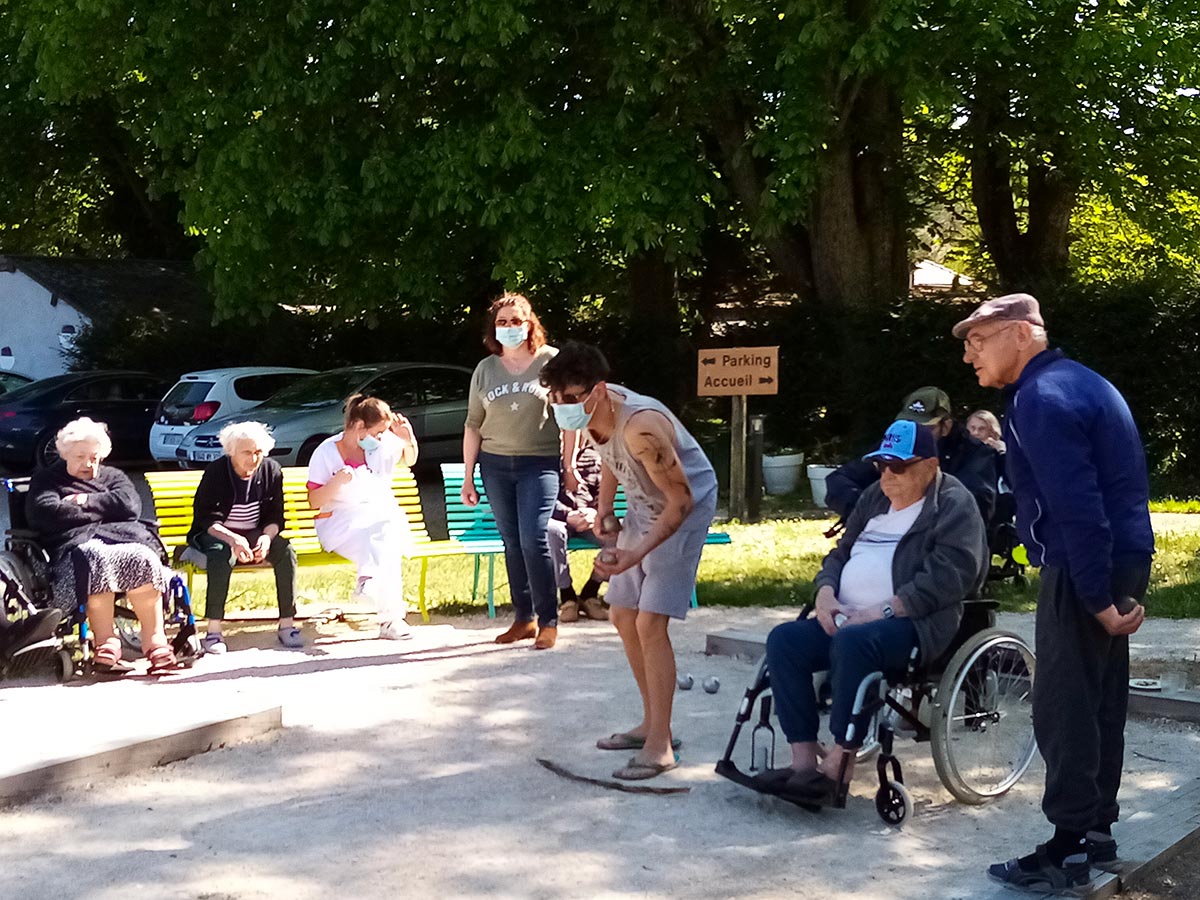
(206, 455)
(169, 439)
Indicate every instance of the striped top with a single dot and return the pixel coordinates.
(243, 515)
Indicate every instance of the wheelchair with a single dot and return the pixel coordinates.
(25, 574)
(973, 705)
(1009, 558)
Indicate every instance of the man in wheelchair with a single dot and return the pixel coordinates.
(913, 549)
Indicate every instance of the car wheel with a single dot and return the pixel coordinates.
(44, 452)
(308, 448)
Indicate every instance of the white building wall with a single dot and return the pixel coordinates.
(30, 327)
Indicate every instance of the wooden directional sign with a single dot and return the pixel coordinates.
(730, 371)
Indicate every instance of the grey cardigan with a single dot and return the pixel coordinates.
(940, 562)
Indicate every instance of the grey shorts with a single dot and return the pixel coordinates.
(666, 579)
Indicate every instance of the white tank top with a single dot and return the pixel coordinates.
(642, 494)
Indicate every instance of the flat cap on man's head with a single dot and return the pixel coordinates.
(1009, 308)
(925, 406)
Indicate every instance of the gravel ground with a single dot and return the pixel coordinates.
(409, 770)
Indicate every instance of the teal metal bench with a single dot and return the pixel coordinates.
(476, 528)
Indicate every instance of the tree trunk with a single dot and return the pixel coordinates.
(654, 354)
(859, 235)
(1039, 256)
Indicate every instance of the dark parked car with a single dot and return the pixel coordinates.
(10, 381)
(434, 397)
(31, 416)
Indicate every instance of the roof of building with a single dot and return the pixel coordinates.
(99, 287)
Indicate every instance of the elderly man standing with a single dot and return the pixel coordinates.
(1077, 469)
(237, 516)
(914, 548)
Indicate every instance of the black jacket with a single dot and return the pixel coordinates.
(111, 514)
(217, 491)
(969, 460)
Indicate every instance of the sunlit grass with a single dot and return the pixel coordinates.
(771, 563)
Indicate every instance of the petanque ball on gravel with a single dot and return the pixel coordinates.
(684, 682)
(712, 684)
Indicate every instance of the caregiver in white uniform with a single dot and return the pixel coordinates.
(350, 481)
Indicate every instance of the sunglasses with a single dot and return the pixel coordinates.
(895, 466)
(564, 397)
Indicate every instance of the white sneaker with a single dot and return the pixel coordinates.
(397, 630)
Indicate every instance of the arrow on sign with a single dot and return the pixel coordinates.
(709, 361)
(766, 381)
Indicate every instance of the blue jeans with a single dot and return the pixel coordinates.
(796, 650)
(522, 491)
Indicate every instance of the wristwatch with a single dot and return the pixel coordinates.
(888, 612)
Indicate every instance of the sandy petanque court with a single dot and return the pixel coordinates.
(408, 770)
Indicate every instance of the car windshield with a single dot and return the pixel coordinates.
(325, 389)
(37, 388)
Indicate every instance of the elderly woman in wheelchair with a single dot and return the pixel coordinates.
(890, 592)
(89, 519)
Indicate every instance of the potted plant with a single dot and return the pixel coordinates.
(818, 471)
(781, 470)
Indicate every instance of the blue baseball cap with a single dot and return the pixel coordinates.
(905, 440)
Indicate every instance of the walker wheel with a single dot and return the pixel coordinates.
(893, 803)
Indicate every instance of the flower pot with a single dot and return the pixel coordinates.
(781, 474)
(816, 477)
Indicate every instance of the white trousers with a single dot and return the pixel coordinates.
(374, 538)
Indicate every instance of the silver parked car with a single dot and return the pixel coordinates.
(199, 396)
(432, 396)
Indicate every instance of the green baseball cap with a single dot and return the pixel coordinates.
(925, 406)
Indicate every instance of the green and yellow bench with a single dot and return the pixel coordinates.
(174, 490)
(475, 527)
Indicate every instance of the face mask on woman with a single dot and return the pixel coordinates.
(512, 336)
(368, 442)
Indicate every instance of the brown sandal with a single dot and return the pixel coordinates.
(162, 659)
(107, 659)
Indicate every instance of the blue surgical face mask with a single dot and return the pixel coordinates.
(368, 442)
(571, 416)
(512, 336)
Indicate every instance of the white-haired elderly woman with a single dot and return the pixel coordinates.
(237, 516)
(89, 519)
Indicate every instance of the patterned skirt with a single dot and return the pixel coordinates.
(95, 567)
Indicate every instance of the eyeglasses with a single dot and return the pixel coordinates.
(895, 466)
(564, 397)
(509, 323)
(974, 343)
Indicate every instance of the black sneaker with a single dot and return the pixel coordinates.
(1101, 848)
(1045, 876)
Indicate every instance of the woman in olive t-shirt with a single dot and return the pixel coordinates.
(511, 433)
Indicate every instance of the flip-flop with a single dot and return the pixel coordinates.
(623, 741)
(636, 771)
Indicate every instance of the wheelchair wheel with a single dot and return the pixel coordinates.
(982, 733)
(64, 667)
(893, 802)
